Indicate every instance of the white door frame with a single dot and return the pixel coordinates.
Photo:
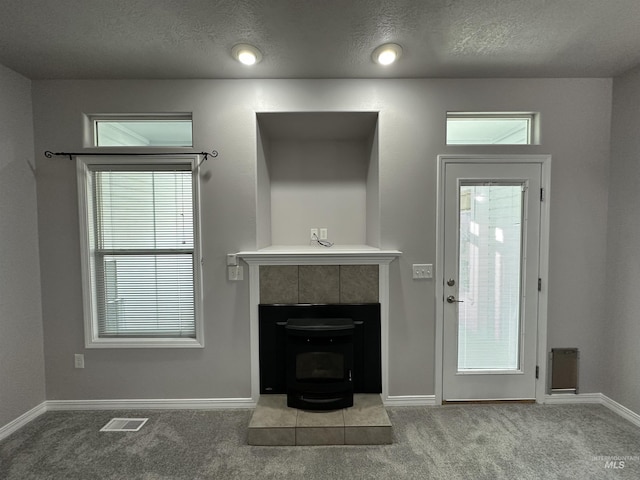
(545, 162)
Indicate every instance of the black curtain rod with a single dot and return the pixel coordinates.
(50, 154)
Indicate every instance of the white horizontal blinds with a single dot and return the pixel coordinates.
(142, 245)
(490, 277)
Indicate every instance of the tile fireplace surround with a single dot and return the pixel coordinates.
(315, 274)
(319, 284)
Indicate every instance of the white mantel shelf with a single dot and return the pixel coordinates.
(317, 254)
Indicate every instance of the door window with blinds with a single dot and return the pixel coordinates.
(490, 276)
(141, 267)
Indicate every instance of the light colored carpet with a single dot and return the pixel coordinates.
(450, 442)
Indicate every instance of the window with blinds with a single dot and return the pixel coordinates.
(140, 222)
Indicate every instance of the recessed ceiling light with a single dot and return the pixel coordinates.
(246, 54)
(387, 54)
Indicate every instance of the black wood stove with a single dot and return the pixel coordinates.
(319, 363)
(319, 355)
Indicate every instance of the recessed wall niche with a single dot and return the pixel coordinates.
(317, 170)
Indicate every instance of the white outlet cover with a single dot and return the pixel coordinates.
(78, 360)
(236, 273)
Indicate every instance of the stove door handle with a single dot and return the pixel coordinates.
(320, 400)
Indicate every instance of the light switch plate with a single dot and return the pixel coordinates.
(422, 271)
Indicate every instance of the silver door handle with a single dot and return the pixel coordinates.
(452, 299)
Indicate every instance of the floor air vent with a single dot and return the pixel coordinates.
(124, 425)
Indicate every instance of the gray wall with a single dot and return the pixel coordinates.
(623, 302)
(319, 184)
(575, 116)
(22, 384)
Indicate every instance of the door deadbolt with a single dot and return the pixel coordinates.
(451, 282)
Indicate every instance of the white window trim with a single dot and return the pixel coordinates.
(92, 340)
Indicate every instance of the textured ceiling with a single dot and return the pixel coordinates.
(46, 39)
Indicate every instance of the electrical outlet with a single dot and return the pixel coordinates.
(422, 271)
(324, 233)
(314, 234)
(78, 360)
(236, 273)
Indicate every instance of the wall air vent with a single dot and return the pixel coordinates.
(564, 370)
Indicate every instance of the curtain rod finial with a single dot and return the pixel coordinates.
(50, 154)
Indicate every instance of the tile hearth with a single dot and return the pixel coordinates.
(275, 424)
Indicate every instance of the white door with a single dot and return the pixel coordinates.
(491, 268)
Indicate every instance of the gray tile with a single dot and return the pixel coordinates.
(279, 284)
(333, 418)
(366, 423)
(320, 436)
(272, 411)
(362, 400)
(367, 411)
(368, 435)
(319, 284)
(359, 283)
(272, 436)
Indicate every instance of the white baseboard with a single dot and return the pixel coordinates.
(22, 420)
(152, 404)
(621, 410)
(573, 398)
(242, 403)
(409, 401)
(598, 398)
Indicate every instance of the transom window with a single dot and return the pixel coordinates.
(171, 130)
(141, 265)
(468, 128)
